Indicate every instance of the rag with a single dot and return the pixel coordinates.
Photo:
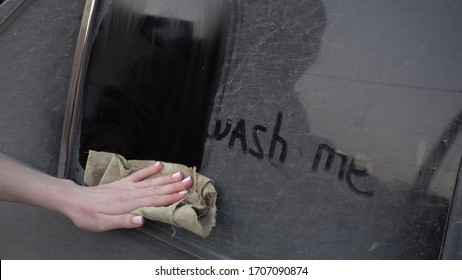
(196, 212)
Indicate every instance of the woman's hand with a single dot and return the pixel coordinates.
(108, 206)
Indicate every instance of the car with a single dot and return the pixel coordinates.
(331, 129)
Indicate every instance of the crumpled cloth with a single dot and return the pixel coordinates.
(196, 213)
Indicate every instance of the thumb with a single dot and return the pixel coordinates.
(135, 221)
(123, 221)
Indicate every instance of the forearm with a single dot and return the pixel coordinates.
(22, 184)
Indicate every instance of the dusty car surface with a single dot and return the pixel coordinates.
(331, 128)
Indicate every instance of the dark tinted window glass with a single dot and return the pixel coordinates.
(151, 81)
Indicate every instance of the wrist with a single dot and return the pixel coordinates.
(63, 196)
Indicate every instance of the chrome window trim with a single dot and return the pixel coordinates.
(75, 88)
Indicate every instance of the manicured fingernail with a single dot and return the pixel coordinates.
(157, 163)
(186, 179)
(176, 175)
(183, 192)
(138, 220)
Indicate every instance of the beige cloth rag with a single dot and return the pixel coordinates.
(195, 213)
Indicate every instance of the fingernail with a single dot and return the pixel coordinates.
(138, 220)
(186, 179)
(176, 175)
(157, 163)
(183, 192)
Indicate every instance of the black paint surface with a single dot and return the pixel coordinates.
(331, 128)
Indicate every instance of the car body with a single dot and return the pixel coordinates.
(331, 129)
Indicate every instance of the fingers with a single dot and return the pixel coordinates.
(145, 172)
(163, 195)
(159, 181)
(131, 198)
(142, 180)
(166, 189)
(165, 200)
